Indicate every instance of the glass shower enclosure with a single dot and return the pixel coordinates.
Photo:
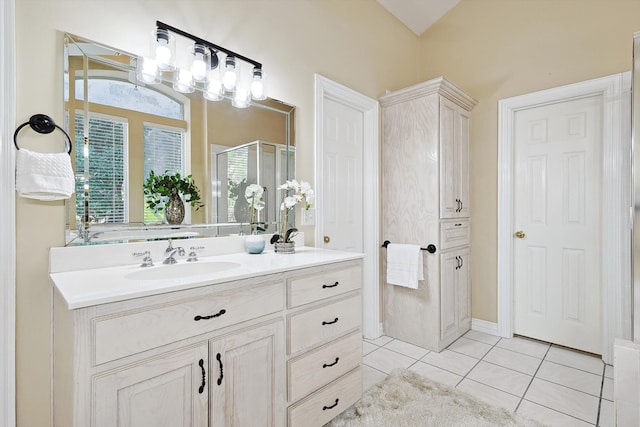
(258, 162)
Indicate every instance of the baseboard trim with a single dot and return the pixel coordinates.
(490, 328)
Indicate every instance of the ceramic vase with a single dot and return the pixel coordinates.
(254, 243)
(174, 210)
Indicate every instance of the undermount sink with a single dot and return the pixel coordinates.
(175, 271)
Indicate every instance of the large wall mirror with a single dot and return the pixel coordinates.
(124, 129)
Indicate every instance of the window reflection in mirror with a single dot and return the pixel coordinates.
(133, 129)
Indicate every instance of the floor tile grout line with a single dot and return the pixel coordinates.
(555, 410)
(532, 378)
(572, 367)
(604, 369)
(477, 363)
(397, 352)
(566, 386)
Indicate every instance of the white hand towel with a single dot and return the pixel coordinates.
(404, 265)
(44, 176)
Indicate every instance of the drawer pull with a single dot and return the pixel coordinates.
(330, 286)
(328, 365)
(218, 314)
(458, 225)
(324, 408)
(330, 323)
(219, 358)
(204, 381)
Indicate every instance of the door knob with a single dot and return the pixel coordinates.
(519, 234)
(327, 239)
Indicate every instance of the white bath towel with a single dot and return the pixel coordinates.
(404, 265)
(44, 176)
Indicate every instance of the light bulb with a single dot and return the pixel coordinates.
(199, 66)
(163, 54)
(257, 85)
(214, 90)
(163, 47)
(149, 72)
(241, 98)
(184, 81)
(230, 77)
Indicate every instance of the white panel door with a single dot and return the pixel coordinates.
(557, 271)
(342, 190)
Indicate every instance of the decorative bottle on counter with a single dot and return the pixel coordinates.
(254, 243)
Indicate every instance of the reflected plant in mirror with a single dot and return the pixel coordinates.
(165, 193)
(124, 128)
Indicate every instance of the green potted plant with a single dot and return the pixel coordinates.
(162, 192)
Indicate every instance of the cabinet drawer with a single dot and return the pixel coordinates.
(124, 334)
(323, 323)
(306, 289)
(453, 234)
(327, 403)
(320, 367)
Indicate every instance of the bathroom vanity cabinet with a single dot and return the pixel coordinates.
(425, 194)
(276, 349)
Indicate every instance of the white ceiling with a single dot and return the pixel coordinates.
(418, 15)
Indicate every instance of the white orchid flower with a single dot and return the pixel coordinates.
(254, 195)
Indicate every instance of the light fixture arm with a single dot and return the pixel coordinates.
(213, 47)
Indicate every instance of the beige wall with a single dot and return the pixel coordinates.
(491, 48)
(354, 42)
(497, 49)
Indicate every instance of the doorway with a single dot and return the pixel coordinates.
(347, 183)
(613, 95)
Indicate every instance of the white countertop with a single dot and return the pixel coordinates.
(84, 288)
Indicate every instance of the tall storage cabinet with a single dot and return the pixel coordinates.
(425, 191)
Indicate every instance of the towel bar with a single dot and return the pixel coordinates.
(44, 124)
(430, 248)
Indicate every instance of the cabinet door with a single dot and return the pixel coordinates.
(449, 262)
(462, 163)
(463, 290)
(247, 378)
(449, 197)
(454, 160)
(455, 293)
(169, 390)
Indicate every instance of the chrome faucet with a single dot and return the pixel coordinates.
(170, 253)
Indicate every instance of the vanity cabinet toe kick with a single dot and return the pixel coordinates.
(197, 357)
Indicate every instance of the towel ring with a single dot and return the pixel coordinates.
(44, 124)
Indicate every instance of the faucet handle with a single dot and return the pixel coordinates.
(193, 256)
(146, 260)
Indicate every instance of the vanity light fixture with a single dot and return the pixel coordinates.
(205, 70)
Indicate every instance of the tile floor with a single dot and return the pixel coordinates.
(552, 384)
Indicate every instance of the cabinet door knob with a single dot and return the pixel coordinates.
(519, 234)
(327, 239)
